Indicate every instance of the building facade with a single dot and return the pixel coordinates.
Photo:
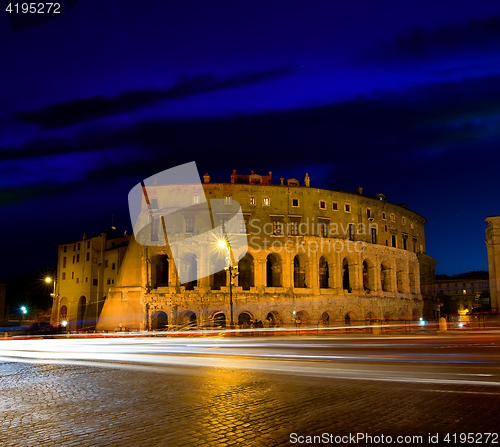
(314, 257)
(493, 247)
(86, 269)
(463, 294)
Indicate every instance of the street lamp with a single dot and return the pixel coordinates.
(49, 280)
(233, 271)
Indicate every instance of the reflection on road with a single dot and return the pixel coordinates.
(471, 360)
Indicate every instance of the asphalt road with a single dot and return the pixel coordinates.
(265, 391)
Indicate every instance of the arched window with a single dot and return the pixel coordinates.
(346, 284)
(324, 273)
(299, 272)
(219, 319)
(159, 321)
(273, 270)
(244, 319)
(246, 272)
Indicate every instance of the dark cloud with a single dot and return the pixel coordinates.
(482, 34)
(95, 107)
(418, 124)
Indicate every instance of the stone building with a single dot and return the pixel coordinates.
(314, 257)
(493, 247)
(86, 269)
(463, 294)
(3, 315)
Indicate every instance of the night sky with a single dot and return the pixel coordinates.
(402, 98)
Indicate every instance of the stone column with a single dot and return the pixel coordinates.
(259, 263)
(312, 267)
(377, 272)
(394, 278)
(287, 269)
(493, 248)
(337, 273)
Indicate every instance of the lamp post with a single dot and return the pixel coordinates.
(233, 272)
(48, 280)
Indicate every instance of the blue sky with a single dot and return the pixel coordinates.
(403, 99)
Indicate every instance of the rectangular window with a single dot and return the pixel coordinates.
(228, 200)
(78, 246)
(88, 245)
(78, 258)
(405, 241)
(414, 243)
(196, 198)
(347, 207)
(323, 229)
(351, 232)
(393, 218)
(266, 201)
(393, 240)
(106, 263)
(385, 227)
(404, 220)
(383, 216)
(77, 280)
(88, 256)
(154, 204)
(295, 202)
(72, 275)
(241, 226)
(189, 224)
(64, 275)
(374, 235)
(94, 282)
(64, 262)
(154, 228)
(112, 281)
(322, 204)
(113, 266)
(86, 279)
(335, 206)
(108, 281)
(294, 228)
(74, 247)
(368, 212)
(277, 228)
(65, 249)
(74, 258)
(252, 200)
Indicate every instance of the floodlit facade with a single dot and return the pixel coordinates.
(86, 269)
(314, 257)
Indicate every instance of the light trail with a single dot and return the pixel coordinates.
(188, 356)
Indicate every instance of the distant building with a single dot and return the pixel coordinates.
(493, 246)
(314, 256)
(463, 294)
(3, 316)
(428, 288)
(86, 269)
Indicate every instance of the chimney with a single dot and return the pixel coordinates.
(206, 178)
(307, 180)
(233, 176)
(251, 172)
(359, 189)
(281, 181)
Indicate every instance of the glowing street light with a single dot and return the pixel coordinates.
(24, 311)
(233, 271)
